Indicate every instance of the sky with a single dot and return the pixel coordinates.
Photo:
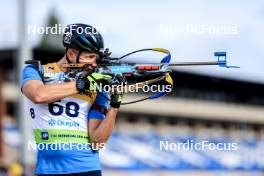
(192, 30)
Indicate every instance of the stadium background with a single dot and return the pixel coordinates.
(208, 103)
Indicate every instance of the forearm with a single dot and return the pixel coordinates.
(53, 92)
(104, 130)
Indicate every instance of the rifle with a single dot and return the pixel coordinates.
(161, 71)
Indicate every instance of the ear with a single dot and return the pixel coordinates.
(71, 53)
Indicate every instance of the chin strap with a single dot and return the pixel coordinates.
(78, 57)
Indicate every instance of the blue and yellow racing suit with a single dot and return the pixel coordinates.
(61, 128)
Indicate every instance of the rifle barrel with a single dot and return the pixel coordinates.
(193, 63)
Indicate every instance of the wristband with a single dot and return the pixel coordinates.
(115, 104)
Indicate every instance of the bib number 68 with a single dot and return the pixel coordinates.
(71, 109)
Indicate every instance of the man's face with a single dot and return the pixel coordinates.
(89, 58)
(85, 57)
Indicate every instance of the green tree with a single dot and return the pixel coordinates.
(52, 38)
